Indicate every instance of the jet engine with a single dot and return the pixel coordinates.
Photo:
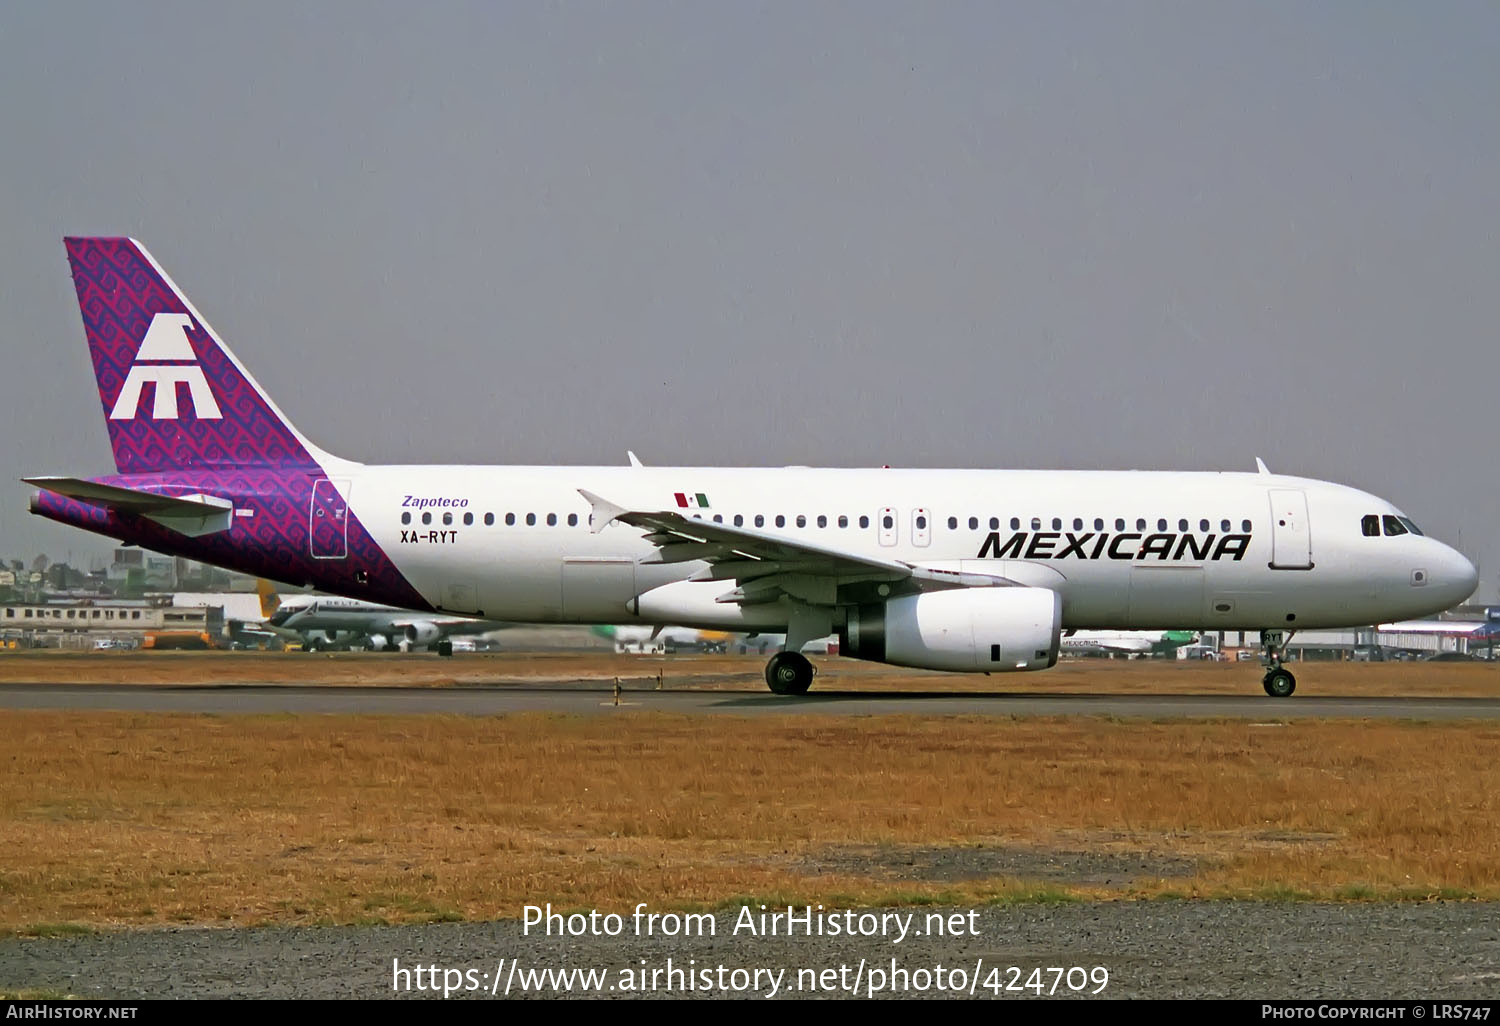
(978, 630)
(422, 633)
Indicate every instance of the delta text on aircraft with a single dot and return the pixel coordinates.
(964, 570)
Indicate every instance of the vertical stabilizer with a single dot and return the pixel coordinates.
(174, 396)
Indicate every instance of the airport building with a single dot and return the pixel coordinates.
(125, 623)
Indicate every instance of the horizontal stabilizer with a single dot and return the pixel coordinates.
(192, 515)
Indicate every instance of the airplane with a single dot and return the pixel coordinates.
(1129, 643)
(643, 639)
(960, 570)
(258, 633)
(327, 621)
(1445, 628)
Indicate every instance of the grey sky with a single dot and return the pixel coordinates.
(1164, 236)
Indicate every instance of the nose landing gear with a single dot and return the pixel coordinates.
(1278, 681)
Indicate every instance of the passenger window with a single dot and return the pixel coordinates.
(994, 523)
(1393, 526)
(973, 523)
(953, 523)
(739, 520)
(1140, 523)
(489, 520)
(887, 522)
(1245, 525)
(406, 518)
(864, 521)
(551, 519)
(426, 518)
(1182, 525)
(531, 520)
(921, 523)
(780, 520)
(801, 520)
(1119, 523)
(1224, 526)
(510, 520)
(468, 519)
(1015, 523)
(447, 519)
(718, 519)
(1098, 523)
(843, 521)
(1036, 523)
(1203, 524)
(760, 520)
(573, 519)
(822, 520)
(1161, 524)
(1370, 525)
(1057, 523)
(1078, 523)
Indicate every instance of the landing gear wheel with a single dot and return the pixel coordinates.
(444, 648)
(789, 673)
(1280, 683)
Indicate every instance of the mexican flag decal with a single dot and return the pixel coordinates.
(687, 500)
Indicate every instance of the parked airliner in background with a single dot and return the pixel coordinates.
(972, 570)
(327, 621)
(1131, 643)
(645, 640)
(658, 638)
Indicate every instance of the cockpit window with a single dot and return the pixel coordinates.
(1370, 524)
(1393, 526)
(1413, 528)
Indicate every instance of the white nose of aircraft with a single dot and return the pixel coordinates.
(1451, 578)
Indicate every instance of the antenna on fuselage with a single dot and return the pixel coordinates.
(635, 461)
(1260, 465)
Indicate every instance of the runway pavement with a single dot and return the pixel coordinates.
(593, 699)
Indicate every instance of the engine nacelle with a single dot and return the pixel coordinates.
(422, 633)
(978, 630)
(378, 642)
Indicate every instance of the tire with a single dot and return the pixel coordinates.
(789, 673)
(1280, 683)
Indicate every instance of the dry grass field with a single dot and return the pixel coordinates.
(120, 819)
(1094, 676)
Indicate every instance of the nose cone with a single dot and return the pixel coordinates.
(1454, 577)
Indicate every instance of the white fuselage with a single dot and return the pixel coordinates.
(1129, 549)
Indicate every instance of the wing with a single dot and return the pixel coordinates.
(767, 566)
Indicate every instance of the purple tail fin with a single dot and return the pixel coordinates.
(174, 395)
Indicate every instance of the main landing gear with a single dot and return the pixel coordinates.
(1278, 682)
(789, 673)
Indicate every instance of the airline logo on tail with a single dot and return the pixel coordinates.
(166, 340)
(173, 395)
